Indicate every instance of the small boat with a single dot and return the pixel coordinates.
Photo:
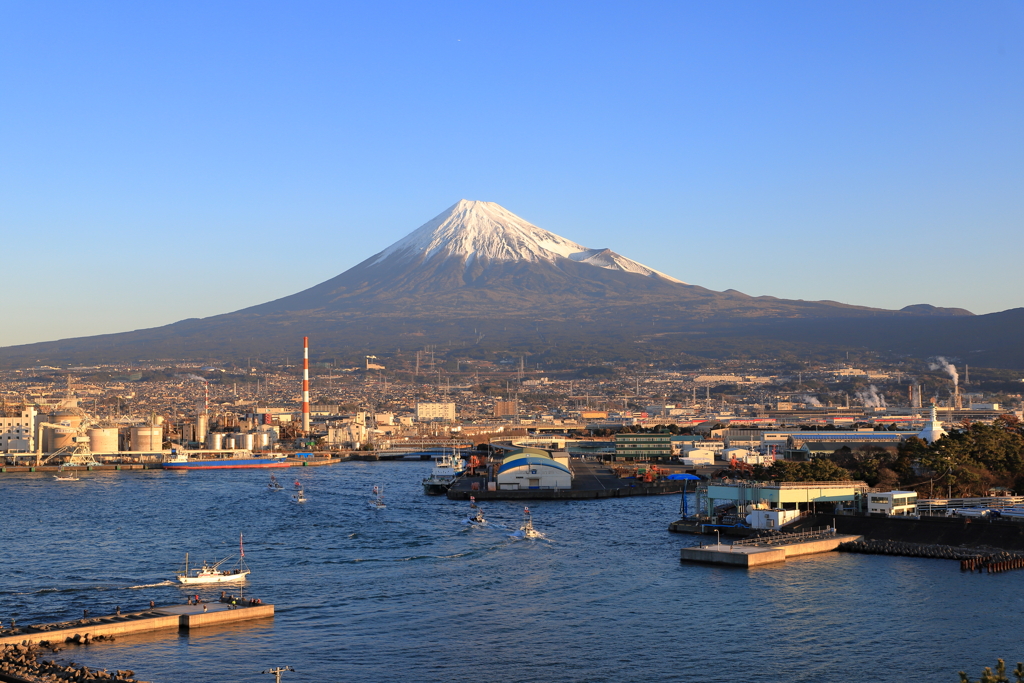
(299, 496)
(60, 476)
(274, 484)
(212, 573)
(527, 530)
(377, 502)
(477, 516)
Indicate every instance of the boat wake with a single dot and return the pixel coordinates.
(151, 585)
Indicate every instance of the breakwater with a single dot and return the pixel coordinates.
(22, 664)
(992, 561)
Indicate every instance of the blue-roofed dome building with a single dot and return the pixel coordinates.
(533, 468)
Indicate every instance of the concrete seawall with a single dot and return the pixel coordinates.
(156, 619)
(953, 531)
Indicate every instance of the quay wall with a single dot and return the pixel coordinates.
(565, 494)
(210, 618)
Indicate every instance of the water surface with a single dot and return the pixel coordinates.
(411, 593)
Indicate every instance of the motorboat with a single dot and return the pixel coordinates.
(476, 513)
(60, 476)
(212, 573)
(377, 502)
(274, 484)
(527, 530)
(299, 496)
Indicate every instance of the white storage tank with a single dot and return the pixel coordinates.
(147, 439)
(103, 440)
(264, 439)
(247, 441)
(229, 441)
(215, 441)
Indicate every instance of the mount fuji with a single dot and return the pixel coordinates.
(479, 259)
(479, 275)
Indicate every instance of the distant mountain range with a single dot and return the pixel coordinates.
(478, 275)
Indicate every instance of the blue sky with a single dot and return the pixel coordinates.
(160, 161)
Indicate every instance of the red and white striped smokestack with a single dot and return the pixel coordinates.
(305, 384)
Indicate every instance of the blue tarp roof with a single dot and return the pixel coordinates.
(687, 477)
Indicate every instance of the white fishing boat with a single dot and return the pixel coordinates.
(527, 530)
(300, 495)
(60, 476)
(444, 473)
(274, 484)
(377, 502)
(212, 573)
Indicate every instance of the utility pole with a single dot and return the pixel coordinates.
(277, 672)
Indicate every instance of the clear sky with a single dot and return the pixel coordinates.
(167, 160)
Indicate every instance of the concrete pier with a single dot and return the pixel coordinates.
(759, 555)
(156, 619)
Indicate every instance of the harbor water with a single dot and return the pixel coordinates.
(412, 593)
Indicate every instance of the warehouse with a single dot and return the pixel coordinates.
(532, 468)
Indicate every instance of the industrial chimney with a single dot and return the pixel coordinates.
(305, 385)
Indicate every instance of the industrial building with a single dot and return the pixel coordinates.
(747, 495)
(17, 430)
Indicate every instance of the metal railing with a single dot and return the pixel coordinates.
(816, 534)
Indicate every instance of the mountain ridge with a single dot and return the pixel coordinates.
(479, 272)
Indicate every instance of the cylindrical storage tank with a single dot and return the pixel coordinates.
(264, 440)
(229, 441)
(147, 439)
(63, 437)
(103, 440)
(47, 439)
(202, 427)
(70, 417)
(215, 441)
(247, 441)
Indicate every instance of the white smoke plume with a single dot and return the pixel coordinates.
(812, 401)
(195, 378)
(950, 369)
(871, 397)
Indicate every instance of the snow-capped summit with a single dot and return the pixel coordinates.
(472, 230)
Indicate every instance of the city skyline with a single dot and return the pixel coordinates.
(169, 162)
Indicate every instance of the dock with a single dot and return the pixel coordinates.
(757, 552)
(176, 617)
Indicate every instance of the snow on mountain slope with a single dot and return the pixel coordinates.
(472, 230)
